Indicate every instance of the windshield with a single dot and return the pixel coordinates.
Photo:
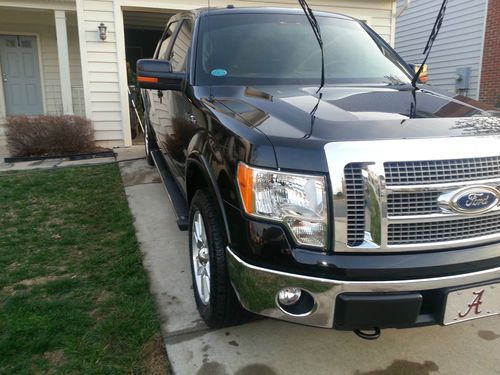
(260, 49)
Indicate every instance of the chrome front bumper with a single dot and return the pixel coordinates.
(257, 288)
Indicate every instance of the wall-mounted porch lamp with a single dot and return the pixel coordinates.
(103, 30)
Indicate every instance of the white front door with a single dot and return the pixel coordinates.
(21, 75)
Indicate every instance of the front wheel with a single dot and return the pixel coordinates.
(214, 295)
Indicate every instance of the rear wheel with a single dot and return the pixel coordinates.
(149, 144)
(214, 295)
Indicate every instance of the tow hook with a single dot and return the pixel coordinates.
(369, 334)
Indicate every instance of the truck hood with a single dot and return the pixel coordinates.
(296, 118)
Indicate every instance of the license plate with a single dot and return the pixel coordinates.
(472, 303)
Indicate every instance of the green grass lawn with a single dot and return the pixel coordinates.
(74, 297)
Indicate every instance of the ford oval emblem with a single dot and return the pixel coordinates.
(470, 200)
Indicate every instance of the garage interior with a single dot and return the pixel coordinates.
(143, 30)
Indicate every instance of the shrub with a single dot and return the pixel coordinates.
(49, 135)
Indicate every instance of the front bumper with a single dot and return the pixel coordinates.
(257, 289)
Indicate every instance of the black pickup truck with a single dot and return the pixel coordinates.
(370, 204)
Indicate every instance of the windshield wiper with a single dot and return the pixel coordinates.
(430, 41)
(317, 32)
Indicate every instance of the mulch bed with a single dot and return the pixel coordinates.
(106, 153)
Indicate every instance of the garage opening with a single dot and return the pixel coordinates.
(143, 29)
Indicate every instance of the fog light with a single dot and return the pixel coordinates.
(289, 296)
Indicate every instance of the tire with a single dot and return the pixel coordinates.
(220, 306)
(149, 144)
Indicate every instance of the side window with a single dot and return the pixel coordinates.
(162, 53)
(178, 56)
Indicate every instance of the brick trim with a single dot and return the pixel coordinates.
(490, 73)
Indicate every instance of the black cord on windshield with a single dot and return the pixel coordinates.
(430, 41)
(317, 32)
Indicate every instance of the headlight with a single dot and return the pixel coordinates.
(298, 201)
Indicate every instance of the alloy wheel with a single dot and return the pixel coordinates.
(201, 258)
(146, 139)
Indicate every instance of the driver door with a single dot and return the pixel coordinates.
(158, 106)
(178, 124)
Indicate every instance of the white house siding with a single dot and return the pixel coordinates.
(458, 45)
(42, 24)
(104, 61)
(101, 72)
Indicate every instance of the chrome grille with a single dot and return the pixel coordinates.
(442, 231)
(389, 192)
(441, 171)
(355, 204)
(406, 204)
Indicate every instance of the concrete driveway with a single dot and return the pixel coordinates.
(264, 346)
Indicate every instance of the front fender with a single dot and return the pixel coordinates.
(198, 162)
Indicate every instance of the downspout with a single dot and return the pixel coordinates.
(403, 8)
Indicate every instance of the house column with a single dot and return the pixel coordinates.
(63, 55)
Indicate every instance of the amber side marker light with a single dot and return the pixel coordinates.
(147, 79)
(245, 183)
(424, 75)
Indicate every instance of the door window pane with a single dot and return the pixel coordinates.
(162, 54)
(26, 43)
(178, 56)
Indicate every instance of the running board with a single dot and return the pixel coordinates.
(174, 193)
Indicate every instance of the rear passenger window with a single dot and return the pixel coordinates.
(178, 56)
(162, 53)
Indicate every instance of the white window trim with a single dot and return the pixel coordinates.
(122, 72)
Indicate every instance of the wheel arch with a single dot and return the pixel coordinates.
(199, 176)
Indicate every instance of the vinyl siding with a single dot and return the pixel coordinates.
(458, 45)
(102, 71)
(42, 23)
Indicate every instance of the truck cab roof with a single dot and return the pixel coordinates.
(204, 12)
